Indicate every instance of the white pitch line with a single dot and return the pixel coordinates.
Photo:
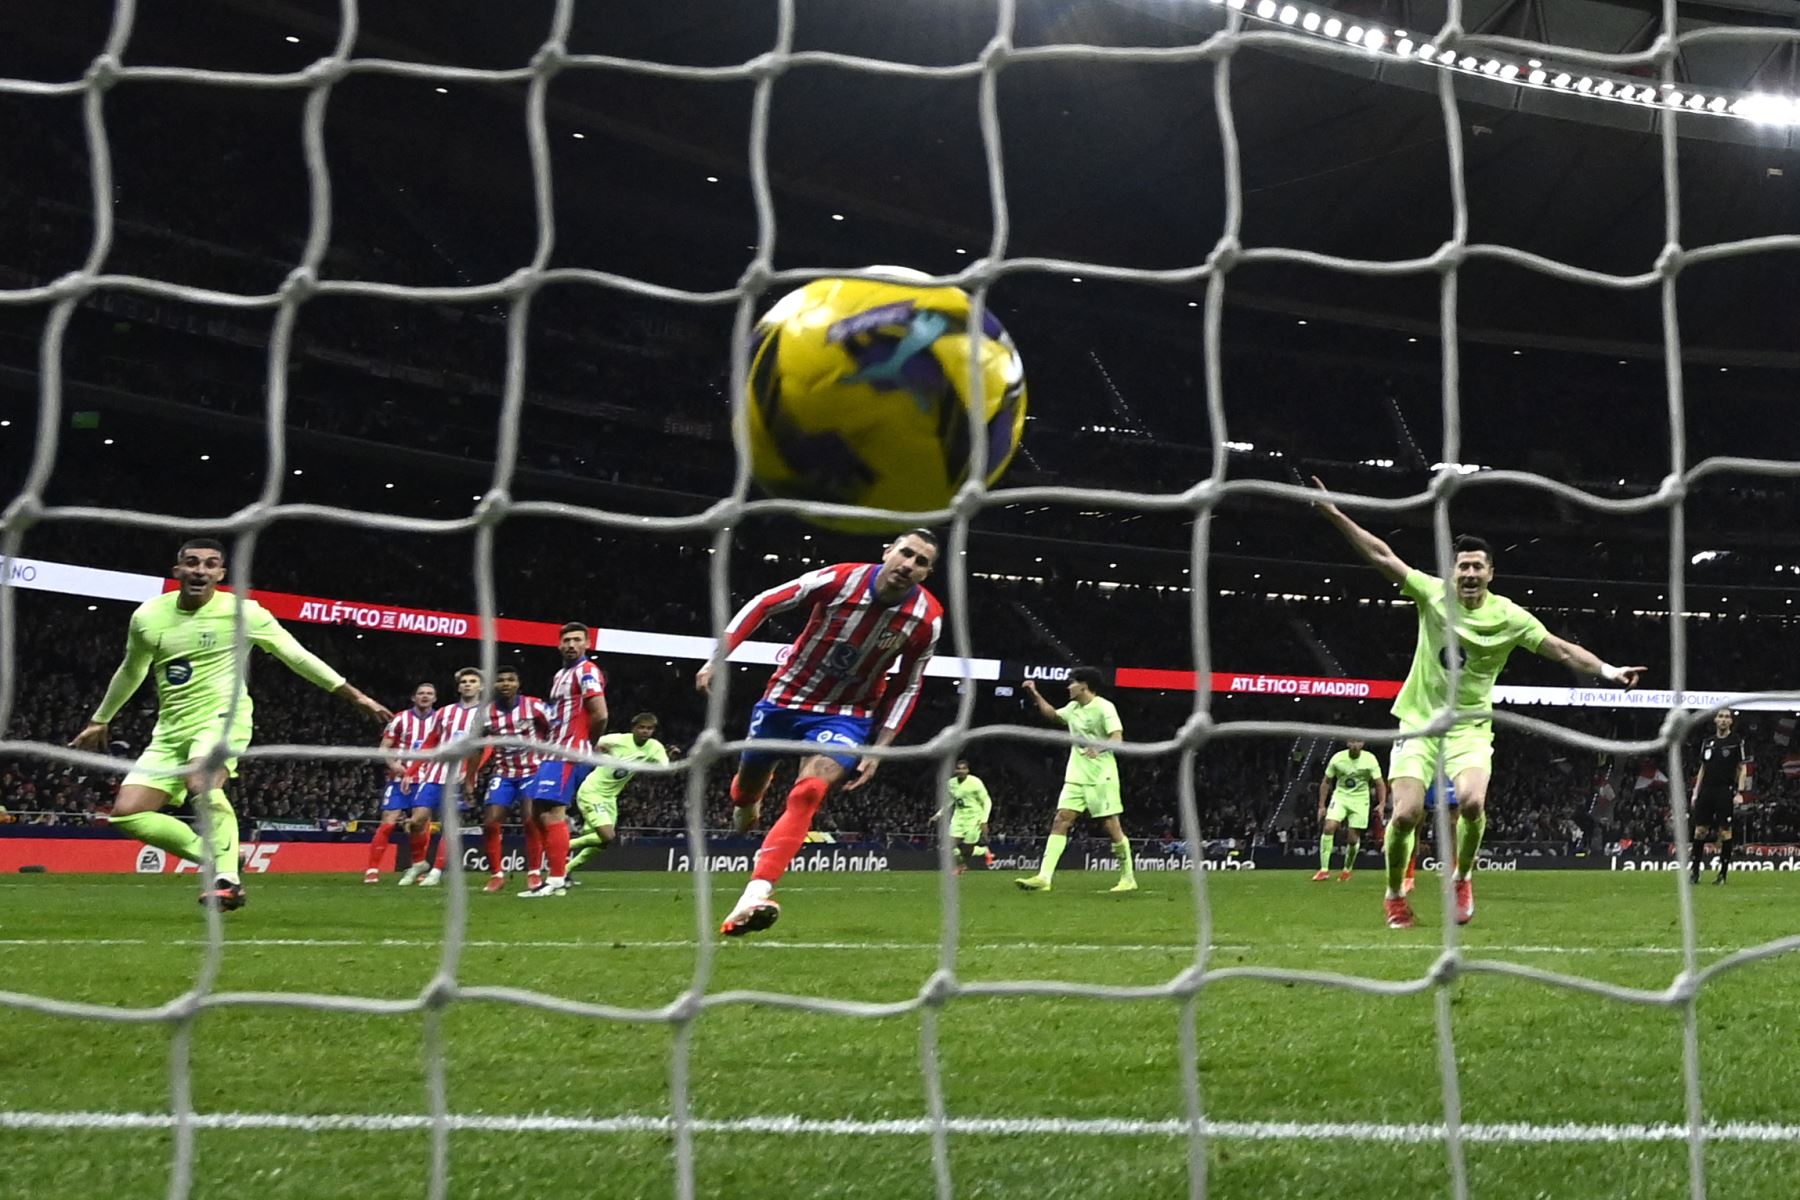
(1469, 951)
(1505, 1133)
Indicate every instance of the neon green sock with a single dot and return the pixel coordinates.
(1468, 841)
(1398, 845)
(588, 840)
(1326, 842)
(164, 832)
(1053, 851)
(1350, 849)
(224, 834)
(1127, 869)
(982, 852)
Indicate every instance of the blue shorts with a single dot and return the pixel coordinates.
(395, 800)
(771, 721)
(1431, 795)
(505, 792)
(428, 795)
(556, 782)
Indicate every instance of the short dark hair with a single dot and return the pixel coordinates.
(424, 683)
(513, 671)
(201, 543)
(1091, 676)
(962, 762)
(461, 671)
(923, 534)
(1468, 543)
(573, 627)
(645, 716)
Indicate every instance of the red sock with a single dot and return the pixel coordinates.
(378, 847)
(421, 842)
(556, 844)
(492, 830)
(534, 845)
(788, 834)
(443, 850)
(741, 797)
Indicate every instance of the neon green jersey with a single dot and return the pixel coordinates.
(1488, 634)
(970, 798)
(1353, 774)
(608, 782)
(1096, 719)
(191, 654)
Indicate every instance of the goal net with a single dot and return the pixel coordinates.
(1460, 59)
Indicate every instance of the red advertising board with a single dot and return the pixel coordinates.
(392, 618)
(1258, 684)
(122, 856)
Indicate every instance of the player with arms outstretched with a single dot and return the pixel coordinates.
(1344, 804)
(451, 723)
(407, 731)
(970, 807)
(598, 797)
(1489, 627)
(863, 618)
(514, 716)
(1091, 782)
(187, 637)
(577, 707)
(1724, 773)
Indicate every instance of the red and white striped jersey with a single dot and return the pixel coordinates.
(407, 731)
(569, 694)
(840, 662)
(527, 718)
(451, 723)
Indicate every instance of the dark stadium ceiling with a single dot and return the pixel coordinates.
(1108, 162)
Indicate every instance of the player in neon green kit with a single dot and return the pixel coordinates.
(969, 821)
(187, 637)
(1348, 777)
(597, 799)
(1488, 628)
(1091, 783)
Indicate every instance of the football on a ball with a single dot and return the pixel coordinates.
(859, 393)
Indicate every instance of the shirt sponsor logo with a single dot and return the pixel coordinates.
(178, 672)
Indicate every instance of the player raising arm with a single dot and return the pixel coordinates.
(1488, 628)
(1091, 782)
(186, 636)
(832, 691)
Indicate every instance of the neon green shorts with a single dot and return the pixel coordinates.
(597, 808)
(1094, 799)
(1349, 810)
(164, 761)
(965, 829)
(1416, 757)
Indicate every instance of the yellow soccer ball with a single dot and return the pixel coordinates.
(858, 394)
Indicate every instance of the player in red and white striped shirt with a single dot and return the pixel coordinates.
(516, 716)
(577, 708)
(451, 723)
(405, 732)
(863, 620)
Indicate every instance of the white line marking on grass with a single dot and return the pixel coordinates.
(1469, 951)
(1514, 1133)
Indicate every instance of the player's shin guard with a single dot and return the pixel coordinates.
(534, 846)
(1398, 845)
(164, 832)
(1724, 857)
(1054, 845)
(224, 834)
(1468, 841)
(1326, 842)
(1122, 848)
(788, 834)
(556, 847)
(378, 845)
(491, 836)
(420, 844)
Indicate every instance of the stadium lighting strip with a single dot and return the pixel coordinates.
(1761, 108)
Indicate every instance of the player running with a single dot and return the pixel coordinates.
(598, 797)
(833, 691)
(969, 821)
(406, 731)
(577, 708)
(451, 723)
(1488, 629)
(1724, 773)
(1345, 789)
(515, 716)
(1091, 782)
(187, 636)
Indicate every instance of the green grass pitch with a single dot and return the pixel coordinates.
(1269, 1052)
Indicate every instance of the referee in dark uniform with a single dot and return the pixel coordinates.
(1724, 767)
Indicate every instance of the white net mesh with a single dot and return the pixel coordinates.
(1187, 988)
